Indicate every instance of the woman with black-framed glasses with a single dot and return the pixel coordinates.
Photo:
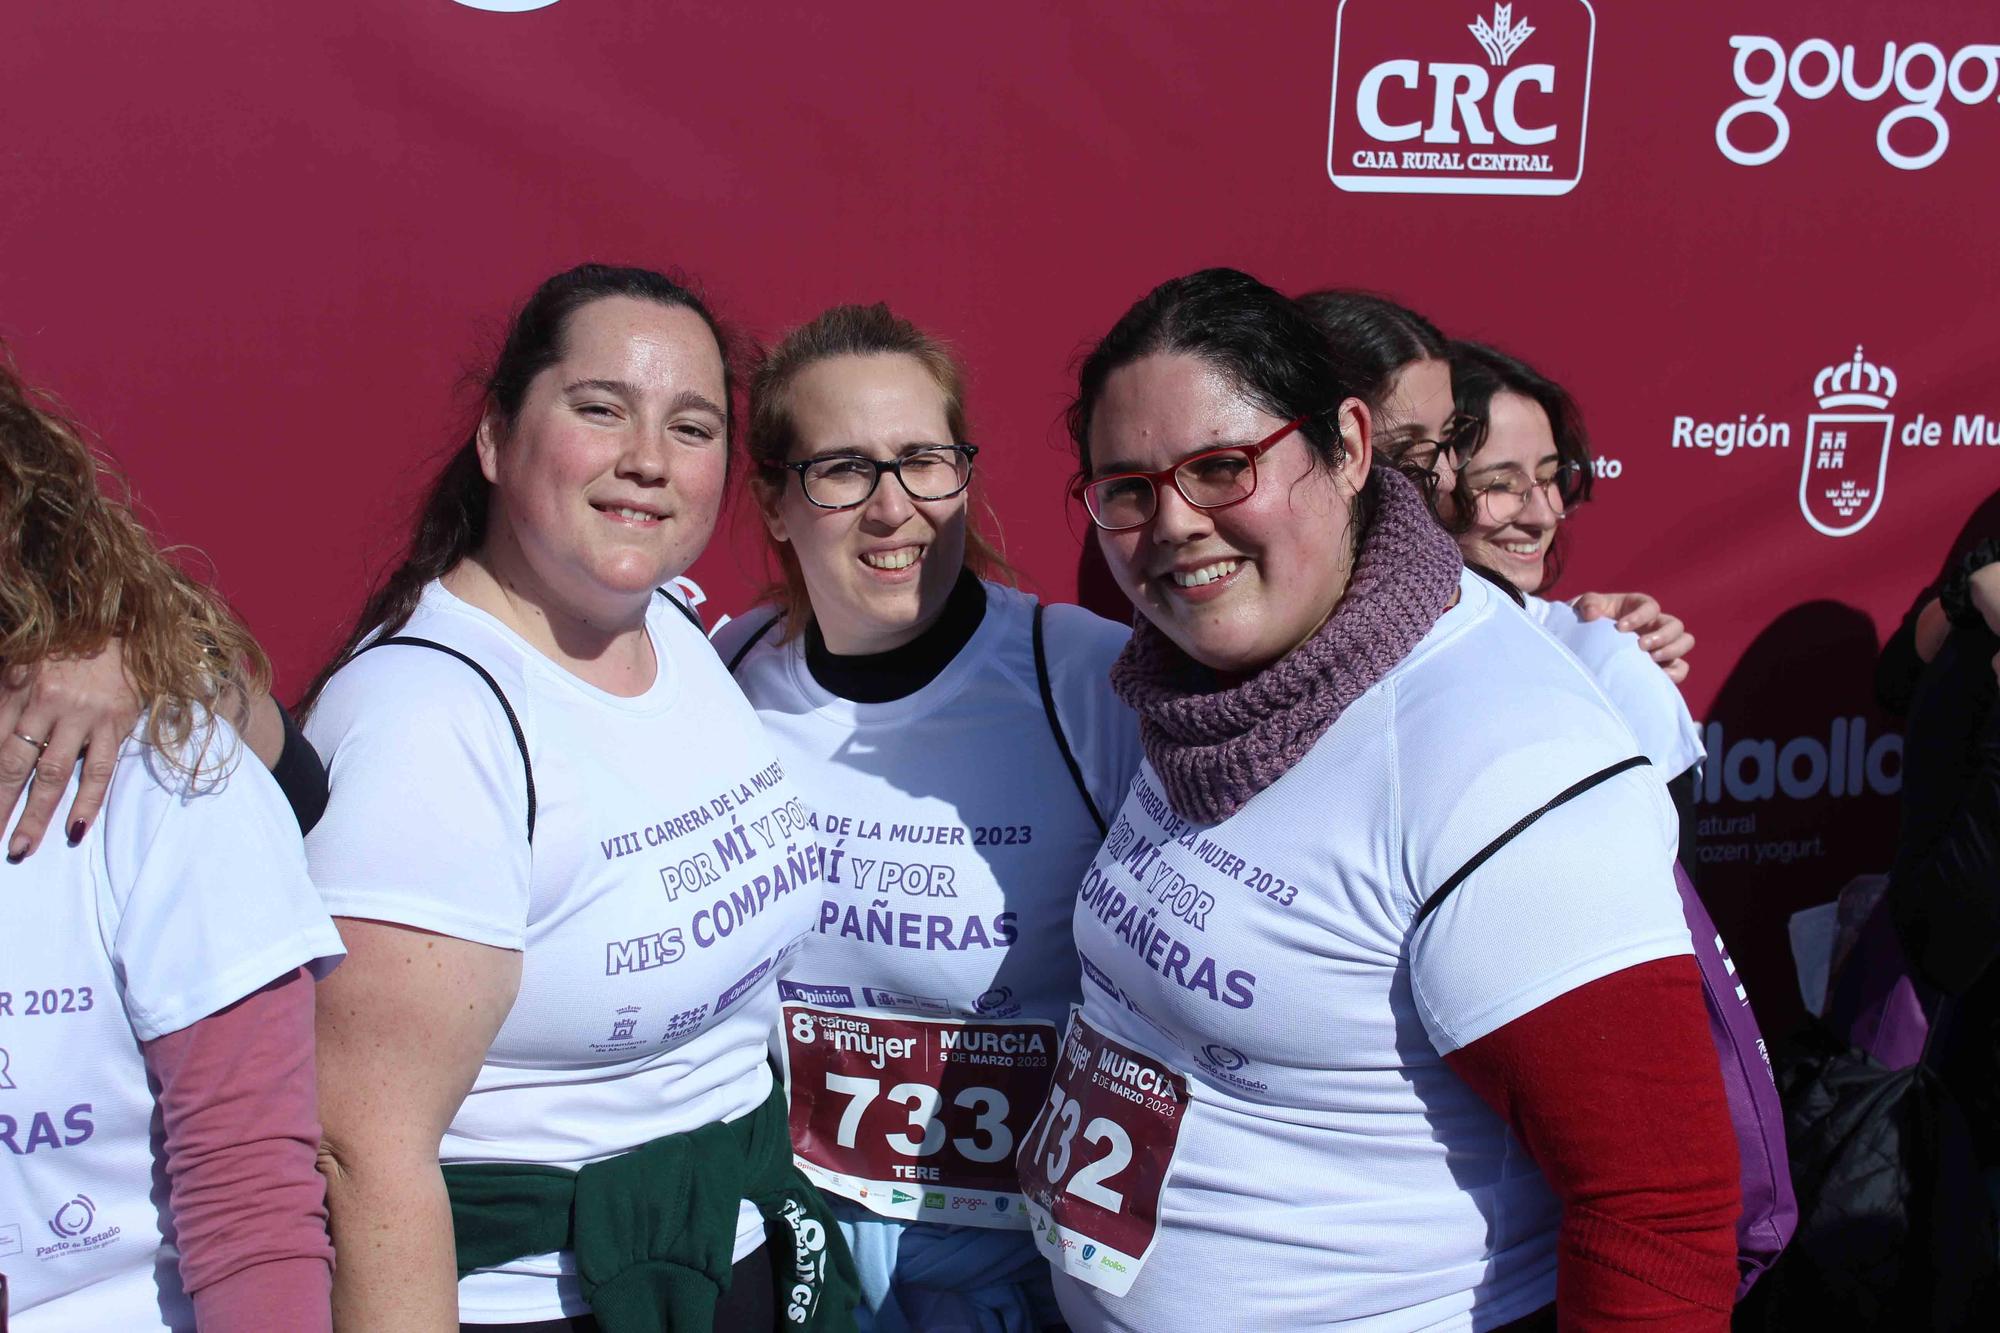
(957, 745)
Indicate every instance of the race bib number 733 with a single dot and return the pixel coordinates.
(915, 1117)
(1097, 1158)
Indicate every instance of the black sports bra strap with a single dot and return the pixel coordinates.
(683, 608)
(520, 737)
(1056, 727)
(751, 642)
(1570, 793)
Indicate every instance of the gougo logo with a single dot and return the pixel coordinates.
(1437, 97)
(1814, 68)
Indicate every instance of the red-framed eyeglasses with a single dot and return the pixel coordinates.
(1210, 479)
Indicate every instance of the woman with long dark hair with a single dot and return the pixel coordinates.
(1401, 360)
(570, 871)
(957, 744)
(1506, 467)
(1389, 1016)
(156, 973)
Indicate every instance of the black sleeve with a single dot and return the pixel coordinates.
(1682, 790)
(1944, 889)
(300, 774)
(1956, 594)
(1898, 667)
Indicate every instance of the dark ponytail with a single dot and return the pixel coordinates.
(1378, 336)
(451, 522)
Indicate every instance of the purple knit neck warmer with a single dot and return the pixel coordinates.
(1216, 748)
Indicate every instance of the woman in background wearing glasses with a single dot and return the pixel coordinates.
(957, 744)
(1444, 403)
(1405, 364)
(1387, 887)
(1517, 469)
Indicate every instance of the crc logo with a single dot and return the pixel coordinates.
(1920, 75)
(1450, 97)
(1846, 462)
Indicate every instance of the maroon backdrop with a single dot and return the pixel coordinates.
(256, 247)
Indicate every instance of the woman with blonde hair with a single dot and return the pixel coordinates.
(159, 968)
(958, 747)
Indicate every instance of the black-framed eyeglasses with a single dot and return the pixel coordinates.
(1507, 495)
(1209, 479)
(1461, 437)
(842, 481)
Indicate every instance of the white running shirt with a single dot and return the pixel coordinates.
(179, 901)
(953, 831)
(671, 875)
(1650, 703)
(1332, 1170)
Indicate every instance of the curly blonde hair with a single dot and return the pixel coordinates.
(78, 569)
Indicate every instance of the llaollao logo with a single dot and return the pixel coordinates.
(506, 6)
(1460, 96)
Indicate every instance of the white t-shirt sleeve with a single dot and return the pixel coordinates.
(1649, 703)
(1584, 891)
(207, 888)
(427, 821)
(1103, 732)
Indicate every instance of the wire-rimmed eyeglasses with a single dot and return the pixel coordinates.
(1507, 495)
(842, 481)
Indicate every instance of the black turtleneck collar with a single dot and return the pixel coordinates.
(879, 678)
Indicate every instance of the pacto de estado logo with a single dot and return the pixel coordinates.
(1460, 96)
(1844, 461)
(1919, 74)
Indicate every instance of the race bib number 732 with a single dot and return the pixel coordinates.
(1096, 1160)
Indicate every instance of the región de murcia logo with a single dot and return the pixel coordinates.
(1450, 97)
(1844, 461)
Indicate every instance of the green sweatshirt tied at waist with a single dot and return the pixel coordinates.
(653, 1229)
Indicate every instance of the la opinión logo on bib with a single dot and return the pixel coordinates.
(1460, 97)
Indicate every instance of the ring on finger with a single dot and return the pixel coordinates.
(41, 747)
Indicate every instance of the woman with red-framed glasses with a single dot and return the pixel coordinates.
(1358, 950)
